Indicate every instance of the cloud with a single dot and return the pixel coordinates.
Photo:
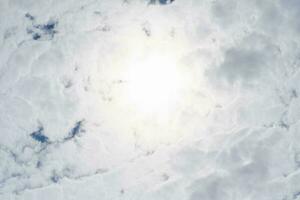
(68, 131)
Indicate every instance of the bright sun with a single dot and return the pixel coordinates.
(153, 84)
(154, 87)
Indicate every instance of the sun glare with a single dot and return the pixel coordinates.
(153, 84)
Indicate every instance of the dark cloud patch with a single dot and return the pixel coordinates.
(224, 12)
(241, 64)
(247, 61)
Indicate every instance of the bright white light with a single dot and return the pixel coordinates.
(153, 84)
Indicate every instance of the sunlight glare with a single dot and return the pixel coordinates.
(154, 84)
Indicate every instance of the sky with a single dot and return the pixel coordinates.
(149, 100)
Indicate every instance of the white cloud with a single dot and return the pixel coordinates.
(232, 133)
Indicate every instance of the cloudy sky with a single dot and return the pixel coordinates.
(149, 100)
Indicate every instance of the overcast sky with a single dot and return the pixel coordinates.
(149, 100)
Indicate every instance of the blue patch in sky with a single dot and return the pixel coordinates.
(55, 178)
(48, 27)
(75, 130)
(29, 16)
(39, 136)
(162, 2)
(42, 31)
(36, 36)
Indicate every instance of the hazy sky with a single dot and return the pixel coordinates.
(149, 100)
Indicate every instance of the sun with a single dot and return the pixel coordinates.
(153, 84)
(152, 90)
